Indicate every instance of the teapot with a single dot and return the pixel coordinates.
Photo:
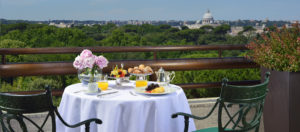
(164, 76)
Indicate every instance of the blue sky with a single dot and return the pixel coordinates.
(149, 9)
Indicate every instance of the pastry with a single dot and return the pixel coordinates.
(136, 68)
(141, 69)
(137, 71)
(141, 66)
(130, 70)
(148, 69)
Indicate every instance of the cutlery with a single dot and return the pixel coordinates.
(134, 94)
(107, 93)
(78, 91)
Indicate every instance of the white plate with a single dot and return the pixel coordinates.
(168, 90)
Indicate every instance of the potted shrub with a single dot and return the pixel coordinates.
(278, 51)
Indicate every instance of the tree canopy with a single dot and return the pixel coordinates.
(21, 35)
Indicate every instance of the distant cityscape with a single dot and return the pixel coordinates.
(207, 19)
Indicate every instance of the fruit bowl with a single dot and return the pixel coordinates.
(121, 79)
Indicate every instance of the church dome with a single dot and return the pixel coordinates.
(207, 16)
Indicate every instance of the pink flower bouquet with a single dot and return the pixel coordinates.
(89, 63)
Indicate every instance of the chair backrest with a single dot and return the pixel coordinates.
(250, 103)
(14, 107)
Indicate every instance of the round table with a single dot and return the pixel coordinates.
(123, 111)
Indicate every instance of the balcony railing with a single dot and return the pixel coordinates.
(66, 68)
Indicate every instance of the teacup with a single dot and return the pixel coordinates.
(92, 87)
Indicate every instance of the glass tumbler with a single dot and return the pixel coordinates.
(141, 82)
(103, 83)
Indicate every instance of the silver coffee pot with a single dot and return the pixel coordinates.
(164, 76)
(160, 74)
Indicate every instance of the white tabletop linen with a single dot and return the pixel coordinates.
(122, 111)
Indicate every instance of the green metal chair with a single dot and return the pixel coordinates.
(13, 107)
(247, 98)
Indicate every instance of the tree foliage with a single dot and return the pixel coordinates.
(21, 35)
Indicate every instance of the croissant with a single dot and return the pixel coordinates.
(137, 71)
(148, 69)
(130, 70)
(141, 66)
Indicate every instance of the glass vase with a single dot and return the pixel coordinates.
(85, 75)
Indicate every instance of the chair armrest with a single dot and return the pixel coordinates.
(186, 119)
(187, 116)
(86, 122)
(196, 117)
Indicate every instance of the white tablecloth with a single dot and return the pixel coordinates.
(123, 112)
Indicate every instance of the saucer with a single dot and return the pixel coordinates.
(91, 92)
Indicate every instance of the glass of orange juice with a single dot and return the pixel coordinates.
(141, 81)
(103, 83)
